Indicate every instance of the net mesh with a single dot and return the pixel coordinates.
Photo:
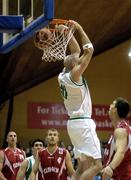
(54, 48)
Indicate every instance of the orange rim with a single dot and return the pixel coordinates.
(60, 21)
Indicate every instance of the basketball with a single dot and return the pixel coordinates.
(42, 38)
(44, 34)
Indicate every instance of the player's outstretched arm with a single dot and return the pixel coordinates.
(87, 51)
(22, 170)
(73, 44)
(74, 47)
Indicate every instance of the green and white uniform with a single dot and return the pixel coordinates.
(31, 162)
(80, 126)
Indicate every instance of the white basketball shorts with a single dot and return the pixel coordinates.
(83, 136)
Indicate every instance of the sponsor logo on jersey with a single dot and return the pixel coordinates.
(51, 169)
(15, 165)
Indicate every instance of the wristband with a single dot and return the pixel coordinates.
(87, 46)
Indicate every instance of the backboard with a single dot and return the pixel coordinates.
(20, 19)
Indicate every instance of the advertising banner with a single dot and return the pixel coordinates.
(54, 115)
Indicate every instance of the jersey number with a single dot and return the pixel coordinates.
(63, 91)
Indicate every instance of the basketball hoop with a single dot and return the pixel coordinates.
(54, 46)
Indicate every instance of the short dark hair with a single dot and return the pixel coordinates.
(54, 130)
(123, 107)
(37, 140)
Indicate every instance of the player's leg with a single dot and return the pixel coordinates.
(82, 166)
(91, 167)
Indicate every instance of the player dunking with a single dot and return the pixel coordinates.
(81, 127)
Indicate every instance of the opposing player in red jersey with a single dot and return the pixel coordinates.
(53, 162)
(10, 158)
(117, 155)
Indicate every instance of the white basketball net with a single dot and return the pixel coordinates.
(56, 46)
